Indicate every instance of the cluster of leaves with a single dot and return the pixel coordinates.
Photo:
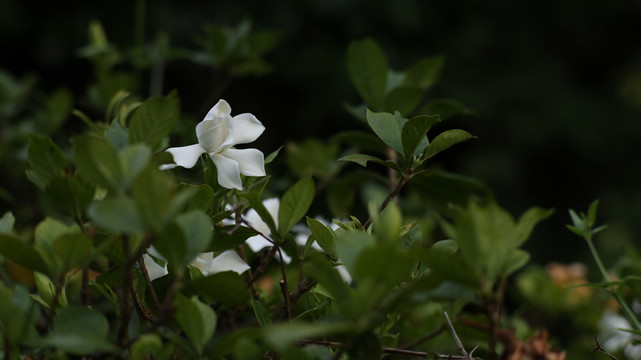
(407, 263)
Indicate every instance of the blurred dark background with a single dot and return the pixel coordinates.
(556, 85)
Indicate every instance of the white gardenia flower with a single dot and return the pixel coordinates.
(257, 243)
(226, 261)
(217, 134)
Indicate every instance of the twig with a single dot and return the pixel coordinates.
(145, 274)
(263, 266)
(124, 301)
(466, 355)
(283, 285)
(385, 350)
(423, 338)
(390, 196)
(599, 348)
(250, 273)
(304, 285)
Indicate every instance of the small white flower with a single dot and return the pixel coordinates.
(226, 261)
(257, 242)
(154, 270)
(217, 134)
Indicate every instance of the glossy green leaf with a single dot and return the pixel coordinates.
(262, 315)
(154, 119)
(118, 214)
(323, 235)
(388, 128)
(45, 159)
(97, 161)
(70, 333)
(18, 315)
(367, 68)
(202, 196)
(445, 140)
(362, 160)
(414, 132)
(23, 253)
(528, 221)
(117, 135)
(6, 223)
(230, 236)
(147, 346)
(197, 320)
(197, 229)
(294, 204)
(46, 290)
(71, 194)
(425, 73)
(226, 288)
(152, 190)
(134, 159)
(321, 270)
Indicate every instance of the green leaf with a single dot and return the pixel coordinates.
(69, 333)
(403, 99)
(445, 108)
(147, 346)
(154, 119)
(262, 315)
(197, 320)
(6, 223)
(282, 335)
(202, 196)
(518, 259)
(18, 315)
(367, 68)
(445, 140)
(198, 232)
(269, 158)
(46, 160)
(528, 220)
(257, 204)
(227, 288)
(313, 157)
(323, 235)
(397, 267)
(388, 128)
(117, 135)
(425, 73)
(71, 194)
(118, 214)
(294, 204)
(72, 250)
(323, 271)
(362, 159)
(414, 132)
(350, 244)
(134, 159)
(97, 161)
(590, 218)
(22, 253)
(46, 290)
(225, 240)
(152, 190)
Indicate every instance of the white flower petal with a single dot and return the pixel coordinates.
(251, 161)
(203, 262)
(246, 128)
(221, 109)
(273, 206)
(228, 172)
(154, 270)
(258, 243)
(228, 261)
(345, 275)
(215, 135)
(185, 156)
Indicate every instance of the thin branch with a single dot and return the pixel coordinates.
(283, 285)
(390, 196)
(250, 274)
(465, 354)
(263, 266)
(145, 274)
(599, 348)
(423, 338)
(385, 350)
